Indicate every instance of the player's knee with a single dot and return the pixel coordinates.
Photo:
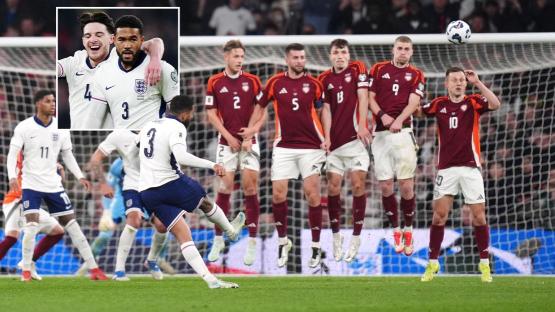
(479, 219)
(359, 188)
(313, 197)
(279, 197)
(334, 187)
(439, 219)
(160, 228)
(206, 206)
(57, 230)
(64, 220)
(134, 219)
(386, 188)
(249, 189)
(407, 190)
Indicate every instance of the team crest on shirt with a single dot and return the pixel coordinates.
(348, 78)
(245, 86)
(408, 76)
(55, 137)
(464, 107)
(306, 87)
(362, 77)
(140, 86)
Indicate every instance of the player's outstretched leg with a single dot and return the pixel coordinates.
(216, 215)
(190, 252)
(44, 245)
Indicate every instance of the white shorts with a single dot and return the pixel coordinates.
(16, 220)
(349, 156)
(288, 163)
(394, 154)
(242, 159)
(453, 180)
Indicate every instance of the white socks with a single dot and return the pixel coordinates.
(28, 244)
(217, 216)
(126, 240)
(158, 240)
(80, 241)
(192, 256)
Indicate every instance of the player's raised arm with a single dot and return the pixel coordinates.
(155, 48)
(493, 100)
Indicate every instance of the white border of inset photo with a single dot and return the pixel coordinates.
(104, 107)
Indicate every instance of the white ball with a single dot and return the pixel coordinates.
(458, 32)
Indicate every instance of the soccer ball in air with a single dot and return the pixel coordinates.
(458, 32)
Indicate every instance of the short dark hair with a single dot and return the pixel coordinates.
(294, 47)
(233, 44)
(97, 17)
(41, 94)
(180, 104)
(130, 21)
(405, 39)
(453, 69)
(339, 43)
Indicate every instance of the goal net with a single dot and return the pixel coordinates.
(518, 142)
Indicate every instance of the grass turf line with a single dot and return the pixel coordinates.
(281, 294)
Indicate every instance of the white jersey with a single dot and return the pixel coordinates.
(158, 164)
(132, 102)
(41, 145)
(79, 73)
(124, 142)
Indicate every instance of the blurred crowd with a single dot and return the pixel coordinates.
(292, 17)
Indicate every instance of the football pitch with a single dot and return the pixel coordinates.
(269, 294)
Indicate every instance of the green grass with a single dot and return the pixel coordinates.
(270, 294)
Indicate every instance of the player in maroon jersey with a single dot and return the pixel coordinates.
(459, 166)
(396, 88)
(230, 99)
(299, 146)
(346, 106)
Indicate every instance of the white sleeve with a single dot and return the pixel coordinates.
(66, 142)
(64, 66)
(17, 138)
(12, 161)
(71, 164)
(108, 145)
(178, 145)
(169, 84)
(186, 159)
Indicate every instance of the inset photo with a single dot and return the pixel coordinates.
(117, 67)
